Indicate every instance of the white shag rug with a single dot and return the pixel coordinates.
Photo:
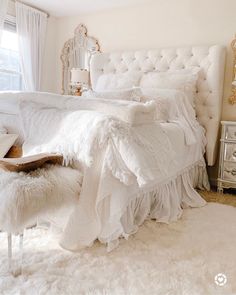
(182, 258)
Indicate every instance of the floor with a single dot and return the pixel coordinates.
(228, 198)
(180, 258)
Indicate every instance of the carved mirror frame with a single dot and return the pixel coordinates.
(76, 53)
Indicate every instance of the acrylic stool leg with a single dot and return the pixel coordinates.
(15, 268)
(9, 247)
(21, 238)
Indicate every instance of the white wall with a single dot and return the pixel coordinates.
(49, 69)
(159, 23)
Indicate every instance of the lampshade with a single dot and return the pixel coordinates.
(234, 83)
(79, 76)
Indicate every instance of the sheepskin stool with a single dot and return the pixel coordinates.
(27, 197)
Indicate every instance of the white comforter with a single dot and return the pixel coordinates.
(119, 161)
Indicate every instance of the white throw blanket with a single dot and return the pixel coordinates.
(81, 135)
(107, 148)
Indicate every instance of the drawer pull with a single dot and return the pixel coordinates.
(233, 172)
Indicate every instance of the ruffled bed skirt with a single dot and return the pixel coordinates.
(165, 203)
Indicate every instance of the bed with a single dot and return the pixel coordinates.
(129, 173)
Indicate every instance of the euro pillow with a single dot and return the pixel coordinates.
(110, 82)
(6, 142)
(183, 80)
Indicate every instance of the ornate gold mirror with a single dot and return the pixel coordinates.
(232, 98)
(77, 53)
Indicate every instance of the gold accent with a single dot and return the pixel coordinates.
(78, 91)
(232, 98)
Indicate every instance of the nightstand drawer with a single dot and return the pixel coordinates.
(229, 172)
(230, 152)
(227, 162)
(230, 132)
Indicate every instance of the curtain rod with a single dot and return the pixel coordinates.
(32, 7)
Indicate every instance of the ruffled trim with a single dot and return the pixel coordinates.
(164, 203)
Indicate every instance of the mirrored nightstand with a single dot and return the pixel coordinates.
(227, 164)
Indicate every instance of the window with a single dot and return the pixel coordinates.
(10, 74)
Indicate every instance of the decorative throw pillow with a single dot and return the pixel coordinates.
(110, 82)
(171, 104)
(133, 94)
(6, 142)
(183, 80)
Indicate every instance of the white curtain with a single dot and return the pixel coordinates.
(3, 12)
(31, 29)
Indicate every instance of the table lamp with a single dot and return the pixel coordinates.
(79, 80)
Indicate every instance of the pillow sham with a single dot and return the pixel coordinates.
(6, 142)
(171, 103)
(174, 106)
(183, 80)
(110, 82)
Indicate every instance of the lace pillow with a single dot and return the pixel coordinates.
(133, 94)
(110, 82)
(183, 80)
(171, 104)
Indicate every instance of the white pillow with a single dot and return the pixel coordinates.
(127, 94)
(6, 142)
(171, 103)
(174, 106)
(117, 81)
(183, 80)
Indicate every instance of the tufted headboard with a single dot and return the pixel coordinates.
(211, 60)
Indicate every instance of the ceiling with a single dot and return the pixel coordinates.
(60, 8)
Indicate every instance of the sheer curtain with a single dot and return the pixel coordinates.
(3, 12)
(31, 29)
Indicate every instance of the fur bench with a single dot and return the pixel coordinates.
(26, 197)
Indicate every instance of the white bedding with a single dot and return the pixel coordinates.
(130, 172)
(120, 209)
(12, 124)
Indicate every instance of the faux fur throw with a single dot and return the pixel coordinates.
(83, 136)
(132, 112)
(26, 197)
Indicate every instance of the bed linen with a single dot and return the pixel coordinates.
(12, 124)
(136, 172)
